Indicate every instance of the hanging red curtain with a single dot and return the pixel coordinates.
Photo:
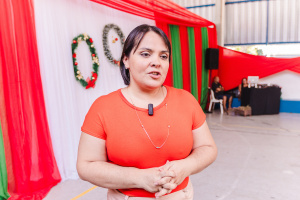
(3, 171)
(234, 66)
(6, 144)
(295, 68)
(212, 37)
(160, 10)
(198, 52)
(185, 58)
(165, 28)
(32, 161)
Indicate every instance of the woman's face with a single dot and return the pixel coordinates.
(149, 64)
(244, 81)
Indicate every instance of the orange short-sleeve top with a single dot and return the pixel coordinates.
(114, 119)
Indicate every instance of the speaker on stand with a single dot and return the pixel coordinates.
(212, 58)
(211, 62)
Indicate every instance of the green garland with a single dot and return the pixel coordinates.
(106, 49)
(89, 82)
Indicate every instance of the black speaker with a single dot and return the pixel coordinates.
(212, 58)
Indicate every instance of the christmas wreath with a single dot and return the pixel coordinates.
(106, 49)
(89, 82)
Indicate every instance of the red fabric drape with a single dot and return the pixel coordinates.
(234, 65)
(165, 28)
(198, 51)
(32, 161)
(185, 58)
(212, 37)
(10, 177)
(295, 68)
(159, 10)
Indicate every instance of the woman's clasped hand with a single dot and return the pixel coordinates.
(164, 179)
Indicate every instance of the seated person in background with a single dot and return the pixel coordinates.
(243, 85)
(219, 93)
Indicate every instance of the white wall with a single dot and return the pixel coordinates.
(288, 81)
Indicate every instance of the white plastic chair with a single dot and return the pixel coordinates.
(213, 100)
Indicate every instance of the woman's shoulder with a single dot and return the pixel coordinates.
(107, 99)
(184, 99)
(180, 93)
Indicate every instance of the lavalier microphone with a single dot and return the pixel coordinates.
(150, 109)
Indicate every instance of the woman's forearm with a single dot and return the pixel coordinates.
(109, 175)
(200, 158)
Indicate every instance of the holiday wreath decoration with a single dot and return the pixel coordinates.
(106, 49)
(89, 82)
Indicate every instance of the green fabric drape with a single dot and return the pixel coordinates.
(176, 57)
(204, 88)
(193, 66)
(3, 173)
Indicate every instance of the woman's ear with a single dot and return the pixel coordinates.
(126, 63)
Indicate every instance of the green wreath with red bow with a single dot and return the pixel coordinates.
(89, 82)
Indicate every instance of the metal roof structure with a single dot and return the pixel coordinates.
(249, 22)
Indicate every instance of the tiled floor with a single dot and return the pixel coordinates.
(259, 159)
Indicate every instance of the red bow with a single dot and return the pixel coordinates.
(91, 83)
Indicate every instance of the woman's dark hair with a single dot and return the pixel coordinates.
(243, 79)
(215, 78)
(132, 42)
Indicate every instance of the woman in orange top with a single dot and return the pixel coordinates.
(145, 140)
